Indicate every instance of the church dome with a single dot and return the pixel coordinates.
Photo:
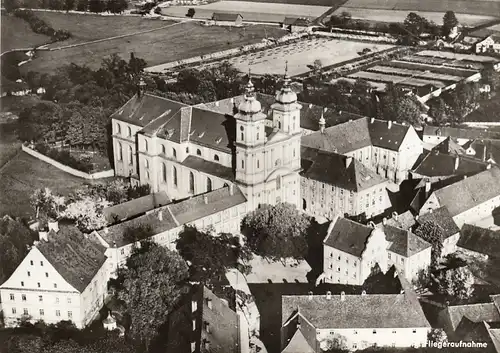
(286, 95)
(250, 104)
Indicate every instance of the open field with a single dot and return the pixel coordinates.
(476, 7)
(16, 33)
(180, 41)
(301, 54)
(251, 11)
(379, 15)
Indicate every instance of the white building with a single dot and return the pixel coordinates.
(63, 277)
(490, 44)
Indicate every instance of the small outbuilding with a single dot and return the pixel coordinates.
(227, 19)
(297, 24)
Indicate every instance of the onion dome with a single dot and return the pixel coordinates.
(286, 95)
(250, 105)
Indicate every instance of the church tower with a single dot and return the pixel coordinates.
(268, 159)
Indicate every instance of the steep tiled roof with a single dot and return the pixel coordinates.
(439, 164)
(463, 133)
(143, 110)
(212, 129)
(470, 192)
(481, 240)
(404, 221)
(330, 168)
(474, 312)
(224, 16)
(404, 242)
(449, 146)
(442, 217)
(356, 311)
(135, 207)
(298, 344)
(208, 167)
(385, 137)
(348, 236)
(75, 258)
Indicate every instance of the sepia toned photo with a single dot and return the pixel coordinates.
(250, 176)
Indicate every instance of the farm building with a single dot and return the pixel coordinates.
(295, 25)
(490, 44)
(227, 19)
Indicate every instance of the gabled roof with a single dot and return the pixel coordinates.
(436, 164)
(442, 217)
(370, 311)
(449, 146)
(348, 236)
(330, 168)
(212, 129)
(404, 242)
(404, 221)
(463, 133)
(385, 137)
(298, 344)
(473, 312)
(75, 258)
(224, 16)
(470, 192)
(486, 150)
(481, 240)
(135, 207)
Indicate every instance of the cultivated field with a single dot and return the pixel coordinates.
(16, 33)
(476, 7)
(250, 11)
(180, 41)
(379, 15)
(301, 54)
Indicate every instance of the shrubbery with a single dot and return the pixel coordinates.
(64, 157)
(40, 26)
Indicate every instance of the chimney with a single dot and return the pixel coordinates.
(384, 221)
(389, 124)
(43, 235)
(53, 225)
(298, 325)
(114, 244)
(457, 162)
(209, 303)
(231, 189)
(488, 166)
(395, 215)
(205, 199)
(363, 293)
(328, 295)
(342, 296)
(160, 216)
(322, 123)
(372, 120)
(310, 295)
(465, 177)
(348, 162)
(427, 187)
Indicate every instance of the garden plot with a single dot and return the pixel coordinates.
(300, 55)
(457, 56)
(371, 76)
(432, 68)
(414, 73)
(443, 62)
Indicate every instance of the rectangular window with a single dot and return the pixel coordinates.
(40, 298)
(58, 313)
(14, 310)
(414, 331)
(29, 274)
(57, 300)
(41, 263)
(47, 274)
(42, 312)
(23, 297)
(22, 284)
(374, 331)
(12, 297)
(38, 284)
(55, 285)
(25, 311)
(69, 300)
(389, 255)
(31, 262)
(338, 269)
(70, 314)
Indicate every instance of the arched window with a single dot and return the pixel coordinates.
(129, 131)
(242, 137)
(279, 124)
(209, 184)
(294, 153)
(163, 149)
(225, 185)
(278, 182)
(118, 129)
(174, 175)
(191, 182)
(198, 152)
(187, 149)
(174, 153)
(257, 136)
(120, 152)
(145, 145)
(164, 172)
(146, 163)
(258, 164)
(242, 164)
(130, 155)
(216, 157)
(147, 175)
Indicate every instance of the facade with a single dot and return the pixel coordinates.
(490, 44)
(479, 241)
(227, 19)
(312, 323)
(437, 134)
(61, 278)
(332, 184)
(390, 149)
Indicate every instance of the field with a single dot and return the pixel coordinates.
(382, 15)
(180, 41)
(300, 55)
(16, 33)
(250, 11)
(476, 7)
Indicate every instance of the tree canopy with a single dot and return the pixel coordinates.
(449, 22)
(277, 232)
(457, 283)
(434, 234)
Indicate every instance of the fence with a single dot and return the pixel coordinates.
(104, 174)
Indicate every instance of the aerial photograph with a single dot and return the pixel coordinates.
(250, 176)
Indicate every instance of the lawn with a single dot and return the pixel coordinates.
(17, 34)
(476, 7)
(180, 41)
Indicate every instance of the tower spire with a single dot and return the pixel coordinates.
(322, 122)
(249, 89)
(286, 78)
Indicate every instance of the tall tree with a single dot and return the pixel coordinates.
(87, 213)
(153, 281)
(415, 24)
(408, 110)
(434, 234)
(450, 21)
(46, 204)
(457, 283)
(82, 5)
(277, 232)
(437, 110)
(97, 6)
(69, 5)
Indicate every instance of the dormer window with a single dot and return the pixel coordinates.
(216, 157)
(198, 152)
(174, 153)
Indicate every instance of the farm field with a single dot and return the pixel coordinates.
(476, 7)
(16, 33)
(180, 41)
(431, 68)
(251, 11)
(414, 73)
(300, 55)
(380, 15)
(385, 78)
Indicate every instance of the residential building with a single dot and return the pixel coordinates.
(404, 221)
(490, 44)
(227, 19)
(63, 277)
(479, 241)
(390, 149)
(468, 200)
(333, 184)
(485, 150)
(135, 207)
(220, 210)
(312, 323)
(442, 218)
(437, 134)
(297, 25)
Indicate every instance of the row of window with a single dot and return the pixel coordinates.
(40, 298)
(39, 285)
(119, 130)
(374, 331)
(32, 263)
(46, 274)
(42, 312)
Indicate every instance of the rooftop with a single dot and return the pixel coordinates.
(135, 207)
(474, 312)
(481, 240)
(462, 133)
(208, 167)
(224, 16)
(404, 221)
(404, 242)
(348, 236)
(436, 164)
(442, 217)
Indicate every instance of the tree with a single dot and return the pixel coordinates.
(415, 24)
(153, 282)
(277, 232)
(438, 110)
(434, 234)
(422, 280)
(138, 232)
(11, 5)
(69, 5)
(210, 256)
(97, 6)
(42, 122)
(437, 335)
(87, 213)
(457, 283)
(449, 22)
(82, 5)
(190, 12)
(408, 110)
(491, 77)
(46, 204)
(116, 6)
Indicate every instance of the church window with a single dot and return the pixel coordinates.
(147, 175)
(294, 153)
(242, 164)
(242, 128)
(174, 174)
(278, 182)
(174, 153)
(209, 184)
(118, 129)
(129, 131)
(130, 155)
(257, 136)
(187, 149)
(198, 152)
(279, 124)
(164, 172)
(216, 157)
(146, 163)
(242, 137)
(191, 182)
(258, 164)
(163, 149)
(120, 155)
(146, 145)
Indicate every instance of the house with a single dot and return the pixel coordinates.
(135, 207)
(477, 240)
(313, 323)
(437, 134)
(333, 184)
(227, 19)
(297, 24)
(390, 149)
(470, 199)
(404, 221)
(487, 151)
(442, 218)
(63, 277)
(490, 44)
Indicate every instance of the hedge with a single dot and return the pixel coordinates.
(64, 157)
(40, 26)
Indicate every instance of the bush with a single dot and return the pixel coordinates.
(39, 26)
(64, 157)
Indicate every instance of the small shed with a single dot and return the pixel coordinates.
(227, 19)
(297, 24)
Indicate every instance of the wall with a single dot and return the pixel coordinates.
(341, 267)
(69, 170)
(478, 212)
